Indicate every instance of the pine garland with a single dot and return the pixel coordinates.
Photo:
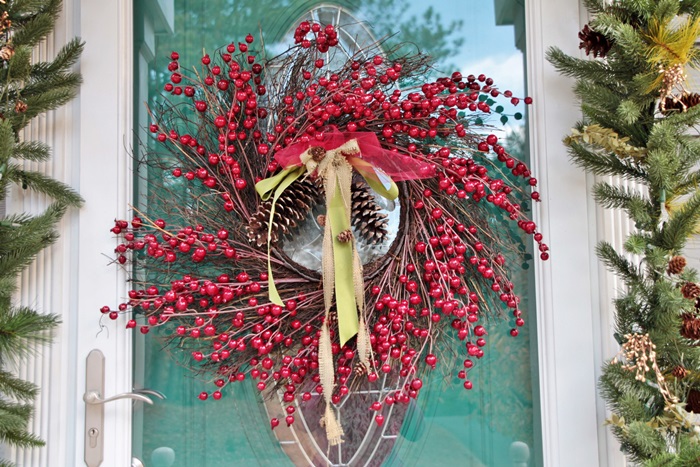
(26, 90)
(637, 117)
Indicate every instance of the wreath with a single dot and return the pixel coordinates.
(329, 221)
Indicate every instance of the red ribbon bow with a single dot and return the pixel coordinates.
(398, 167)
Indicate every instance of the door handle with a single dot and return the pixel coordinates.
(93, 398)
(94, 406)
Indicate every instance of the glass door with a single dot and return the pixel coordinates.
(494, 424)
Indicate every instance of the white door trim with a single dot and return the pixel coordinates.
(105, 123)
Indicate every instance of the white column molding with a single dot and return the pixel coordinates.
(46, 285)
(568, 326)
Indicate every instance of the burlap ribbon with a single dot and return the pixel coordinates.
(333, 161)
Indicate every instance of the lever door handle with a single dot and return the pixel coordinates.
(151, 392)
(93, 397)
(94, 406)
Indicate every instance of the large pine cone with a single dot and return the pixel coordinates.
(594, 42)
(297, 201)
(367, 220)
(291, 208)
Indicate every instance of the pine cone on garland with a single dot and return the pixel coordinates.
(690, 329)
(676, 265)
(368, 221)
(291, 208)
(21, 107)
(690, 290)
(679, 372)
(7, 52)
(680, 104)
(594, 42)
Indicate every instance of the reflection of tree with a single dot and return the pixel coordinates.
(214, 23)
(428, 31)
(515, 143)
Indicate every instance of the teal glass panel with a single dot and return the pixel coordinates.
(497, 422)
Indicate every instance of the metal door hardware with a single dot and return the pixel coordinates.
(94, 406)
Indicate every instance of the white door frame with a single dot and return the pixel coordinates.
(568, 327)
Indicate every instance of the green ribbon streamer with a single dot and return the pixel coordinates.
(279, 183)
(348, 322)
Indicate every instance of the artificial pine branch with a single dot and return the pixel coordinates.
(619, 264)
(27, 90)
(24, 237)
(639, 208)
(64, 60)
(21, 329)
(46, 185)
(17, 388)
(651, 46)
(34, 20)
(676, 232)
(34, 151)
(605, 164)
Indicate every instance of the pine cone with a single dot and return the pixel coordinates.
(679, 103)
(679, 372)
(7, 52)
(594, 42)
(690, 290)
(367, 220)
(20, 107)
(345, 236)
(693, 401)
(676, 265)
(690, 329)
(360, 369)
(291, 208)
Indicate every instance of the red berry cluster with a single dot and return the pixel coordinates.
(212, 292)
